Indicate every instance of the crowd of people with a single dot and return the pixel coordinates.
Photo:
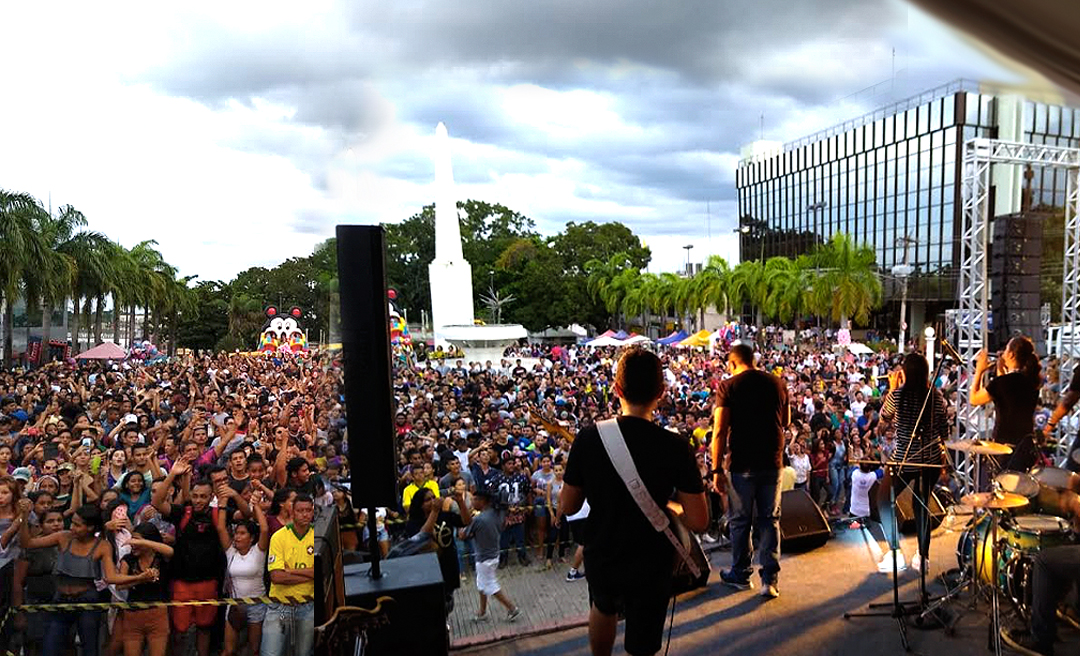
(193, 479)
(199, 477)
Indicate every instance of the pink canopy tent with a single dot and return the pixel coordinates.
(105, 351)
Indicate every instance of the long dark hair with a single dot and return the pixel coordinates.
(1023, 351)
(416, 510)
(916, 373)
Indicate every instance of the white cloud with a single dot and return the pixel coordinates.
(237, 134)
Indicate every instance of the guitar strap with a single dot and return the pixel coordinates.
(615, 445)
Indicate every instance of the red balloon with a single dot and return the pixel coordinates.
(392, 294)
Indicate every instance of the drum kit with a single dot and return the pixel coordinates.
(1022, 514)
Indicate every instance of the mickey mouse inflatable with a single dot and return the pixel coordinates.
(283, 334)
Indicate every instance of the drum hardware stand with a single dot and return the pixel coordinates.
(900, 610)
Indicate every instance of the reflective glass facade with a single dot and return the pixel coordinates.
(886, 176)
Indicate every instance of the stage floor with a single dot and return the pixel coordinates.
(817, 587)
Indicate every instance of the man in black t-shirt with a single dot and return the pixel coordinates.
(751, 414)
(627, 562)
(198, 565)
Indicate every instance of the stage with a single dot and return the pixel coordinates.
(817, 587)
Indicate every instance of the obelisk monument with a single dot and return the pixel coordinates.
(450, 275)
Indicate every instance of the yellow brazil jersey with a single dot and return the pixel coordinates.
(287, 551)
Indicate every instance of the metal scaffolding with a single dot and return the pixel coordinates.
(974, 291)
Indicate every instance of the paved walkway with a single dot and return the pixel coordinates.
(547, 602)
(817, 588)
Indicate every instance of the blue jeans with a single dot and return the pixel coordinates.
(86, 624)
(464, 554)
(760, 490)
(512, 534)
(837, 474)
(286, 626)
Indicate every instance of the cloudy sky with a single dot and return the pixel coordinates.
(239, 133)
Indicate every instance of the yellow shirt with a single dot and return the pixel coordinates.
(411, 489)
(290, 552)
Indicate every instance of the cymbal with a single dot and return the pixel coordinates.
(980, 447)
(997, 501)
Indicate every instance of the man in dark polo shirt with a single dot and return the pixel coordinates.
(748, 440)
(627, 562)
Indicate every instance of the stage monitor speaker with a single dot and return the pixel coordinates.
(417, 618)
(906, 512)
(802, 524)
(329, 585)
(365, 340)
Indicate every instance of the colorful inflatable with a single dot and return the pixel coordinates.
(146, 352)
(283, 334)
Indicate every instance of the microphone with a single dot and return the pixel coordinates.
(950, 352)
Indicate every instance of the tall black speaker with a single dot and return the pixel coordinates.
(365, 340)
(329, 584)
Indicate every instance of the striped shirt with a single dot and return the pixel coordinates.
(902, 408)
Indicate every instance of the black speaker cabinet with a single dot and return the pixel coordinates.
(906, 512)
(802, 524)
(365, 340)
(417, 618)
(329, 584)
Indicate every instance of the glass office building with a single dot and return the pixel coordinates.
(891, 179)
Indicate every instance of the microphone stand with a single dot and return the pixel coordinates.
(899, 610)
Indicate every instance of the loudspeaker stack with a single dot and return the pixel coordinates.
(1016, 256)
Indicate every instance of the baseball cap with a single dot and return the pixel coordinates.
(130, 419)
(20, 415)
(66, 465)
(21, 474)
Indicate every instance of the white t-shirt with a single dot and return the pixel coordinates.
(246, 571)
(860, 492)
(857, 408)
(801, 465)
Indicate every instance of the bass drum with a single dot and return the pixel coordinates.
(984, 561)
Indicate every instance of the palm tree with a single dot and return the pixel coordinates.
(848, 284)
(711, 286)
(602, 275)
(21, 249)
(153, 277)
(90, 252)
(682, 291)
(636, 302)
(62, 236)
(748, 286)
(661, 291)
(786, 284)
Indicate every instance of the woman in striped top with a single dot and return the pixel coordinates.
(920, 444)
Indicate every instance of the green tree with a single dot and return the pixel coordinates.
(747, 286)
(50, 285)
(712, 286)
(21, 248)
(787, 283)
(848, 285)
(204, 327)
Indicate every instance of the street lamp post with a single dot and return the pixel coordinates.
(687, 249)
(902, 271)
(814, 207)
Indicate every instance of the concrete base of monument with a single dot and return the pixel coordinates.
(482, 343)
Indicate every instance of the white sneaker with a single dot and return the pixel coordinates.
(886, 564)
(917, 563)
(705, 537)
